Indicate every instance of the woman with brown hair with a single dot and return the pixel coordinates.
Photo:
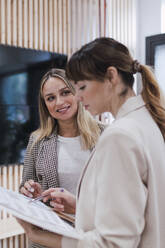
(120, 201)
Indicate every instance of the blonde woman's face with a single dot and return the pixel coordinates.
(61, 103)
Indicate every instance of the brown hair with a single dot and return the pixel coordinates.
(93, 59)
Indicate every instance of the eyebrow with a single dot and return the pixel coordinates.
(49, 94)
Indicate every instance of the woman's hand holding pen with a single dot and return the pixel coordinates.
(31, 189)
(60, 199)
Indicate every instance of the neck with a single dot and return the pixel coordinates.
(68, 128)
(120, 101)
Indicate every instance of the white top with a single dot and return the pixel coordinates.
(71, 160)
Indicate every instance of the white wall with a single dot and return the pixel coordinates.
(148, 23)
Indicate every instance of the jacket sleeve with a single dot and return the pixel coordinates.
(121, 194)
(29, 169)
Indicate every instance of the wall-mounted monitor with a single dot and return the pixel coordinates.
(155, 56)
(21, 71)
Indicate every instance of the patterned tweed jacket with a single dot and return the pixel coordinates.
(40, 163)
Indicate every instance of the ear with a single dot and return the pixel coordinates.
(112, 75)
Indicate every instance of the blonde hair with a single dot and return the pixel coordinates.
(88, 127)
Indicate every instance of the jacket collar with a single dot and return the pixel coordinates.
(53, 135)
(130, 105)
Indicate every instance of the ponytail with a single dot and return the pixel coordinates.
(93, 60)
(153, 97)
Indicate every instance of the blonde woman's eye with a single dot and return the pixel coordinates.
(50, 98)
(66, 92)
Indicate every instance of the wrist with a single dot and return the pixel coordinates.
(42, 236)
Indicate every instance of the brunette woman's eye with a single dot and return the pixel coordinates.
(82, 87)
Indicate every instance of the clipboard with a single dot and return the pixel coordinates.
(38, 214)
(66, 217)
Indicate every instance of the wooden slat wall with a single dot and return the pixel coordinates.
(53, 25)
(10, 178)
(65, 25)
(121, 21)
(19, 241)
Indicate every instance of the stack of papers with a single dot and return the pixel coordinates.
(36, 213)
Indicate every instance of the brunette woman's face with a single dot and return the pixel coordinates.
(93, 95)
(61, 103)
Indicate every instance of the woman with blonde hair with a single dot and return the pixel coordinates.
(58, 149)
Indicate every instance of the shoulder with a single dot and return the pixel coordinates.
(32, 138)
(122, 131)
(34, 142)
(119, 144)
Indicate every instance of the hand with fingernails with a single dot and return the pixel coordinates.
(31, 189)
(60, 199)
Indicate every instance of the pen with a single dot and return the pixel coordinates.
(39, 198)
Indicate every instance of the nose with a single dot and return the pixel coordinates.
(79, 97)
(78, 94)
(59, 100)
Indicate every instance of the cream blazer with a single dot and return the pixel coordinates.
(121, 200)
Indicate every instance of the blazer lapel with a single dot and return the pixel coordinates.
(50, 158)
(83, 173)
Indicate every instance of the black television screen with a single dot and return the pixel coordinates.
(21, 71)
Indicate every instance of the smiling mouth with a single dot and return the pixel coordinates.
(64, 109)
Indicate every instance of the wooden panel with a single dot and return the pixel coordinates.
(57, 25)
(51, 25)
(10, 178)
(35, 24)
(40, 24)
(122, 22)
(45, 24)
(3, 21)
(11, 234)
(25, 16)
(10, 227)
(19, 23)
(8, 28)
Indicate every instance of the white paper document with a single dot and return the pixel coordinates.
(35, 213)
